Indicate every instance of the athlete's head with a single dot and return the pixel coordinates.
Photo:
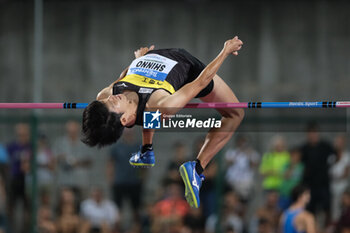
(104, 120)
(313, 133)
(301, 193)
(100, 126)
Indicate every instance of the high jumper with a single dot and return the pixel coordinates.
(165, 79)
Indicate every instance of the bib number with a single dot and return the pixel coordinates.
(152, 66)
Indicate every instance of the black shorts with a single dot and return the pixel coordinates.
(186, 70)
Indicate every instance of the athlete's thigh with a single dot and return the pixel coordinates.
(221, 93)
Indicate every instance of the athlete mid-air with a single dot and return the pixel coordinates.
(164, 79)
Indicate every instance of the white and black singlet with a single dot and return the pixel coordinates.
(167, 69)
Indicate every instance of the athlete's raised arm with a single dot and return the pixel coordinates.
(142, 51)
(170, 104)
(107, 91)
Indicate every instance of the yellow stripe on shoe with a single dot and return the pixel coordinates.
(141, 164)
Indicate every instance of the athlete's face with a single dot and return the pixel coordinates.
(121, 105)
(116, 103)
(306, 197)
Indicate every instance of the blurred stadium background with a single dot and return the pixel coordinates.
(66, 51)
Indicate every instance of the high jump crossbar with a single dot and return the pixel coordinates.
(323, 104)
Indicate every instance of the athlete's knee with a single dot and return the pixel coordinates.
(240, 113)
(235, 114)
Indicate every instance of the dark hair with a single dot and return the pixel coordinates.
(312, 126)
(100, 127)
(347, 192)
(263, 221)
(298, 191)
(295, 150)
(229, 228)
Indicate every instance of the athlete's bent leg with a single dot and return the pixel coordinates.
(231, 119)
(214, 141)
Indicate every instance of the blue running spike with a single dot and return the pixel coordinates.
(143, 160)
(193, 183)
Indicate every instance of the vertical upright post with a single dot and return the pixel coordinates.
(33, 166)
(38, 51)
(37, 97)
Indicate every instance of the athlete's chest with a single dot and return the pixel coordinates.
(155, 99)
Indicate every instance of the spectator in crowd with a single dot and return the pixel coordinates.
(194, 221)
(242, 163)
(231, 217)
(4, 159)
(168, 225)
(343, 225)
(3, 172)
(296, 218)
(74, 160)
(101, 214)
(19, 152)
(179, 158)
(168, 214)
(293, 173)
(68, 220)
(45, 222)
(126, 181)
(316, 156)
(2, 204)
(339, 172)
(264, 226)
(273, 163)
(229, 230)
(270, 212)
(46, 166)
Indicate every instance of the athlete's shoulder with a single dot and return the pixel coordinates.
(307, 219)
(306, 216)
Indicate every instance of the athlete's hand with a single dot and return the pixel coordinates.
(142, 51)
(232, 46)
